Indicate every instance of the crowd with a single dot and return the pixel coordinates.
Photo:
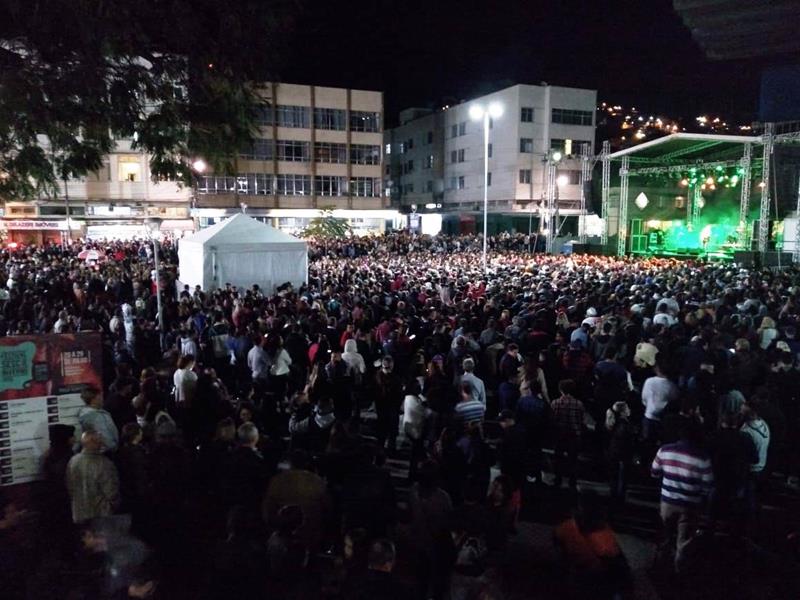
(248, 447)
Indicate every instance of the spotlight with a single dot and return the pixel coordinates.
(684, 182)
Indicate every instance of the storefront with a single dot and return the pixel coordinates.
(28, 232)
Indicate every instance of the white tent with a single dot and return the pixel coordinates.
(242, 251)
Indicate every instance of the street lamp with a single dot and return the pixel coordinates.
(154, 224)
(562, 180)
(476, 113)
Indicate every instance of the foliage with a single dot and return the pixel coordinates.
(174, 77)
(327, 226)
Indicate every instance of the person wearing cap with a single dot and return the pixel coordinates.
(92, 481)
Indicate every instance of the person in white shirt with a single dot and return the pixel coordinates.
(415, 417)
(280, 361)
(657, 393)
(185, 381)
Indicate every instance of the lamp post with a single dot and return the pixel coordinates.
(476, 113)
(154, 224)
(199, 167)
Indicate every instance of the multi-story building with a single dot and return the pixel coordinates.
(316, 147)
(112, 202)
(437, 158)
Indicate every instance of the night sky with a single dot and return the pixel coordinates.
(426, 53)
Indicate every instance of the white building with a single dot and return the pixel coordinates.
(437, 158)
(316, 147)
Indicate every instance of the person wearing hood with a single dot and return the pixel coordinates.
(758, 430)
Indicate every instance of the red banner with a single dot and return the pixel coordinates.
(41, 379)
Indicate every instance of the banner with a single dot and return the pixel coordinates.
(41, 379)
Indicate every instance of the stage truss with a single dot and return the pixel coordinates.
(678, 162)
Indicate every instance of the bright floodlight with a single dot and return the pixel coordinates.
(556, 156)
(495, 110)
(562, 180)
(199, 165)
(476, 112)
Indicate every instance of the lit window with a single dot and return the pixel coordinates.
(130, 168)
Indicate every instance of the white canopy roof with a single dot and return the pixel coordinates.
(241, 230)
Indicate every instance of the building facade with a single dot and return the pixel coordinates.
(110, 203)
(316, 147)
(436, 158)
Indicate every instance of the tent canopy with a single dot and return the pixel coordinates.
(242, 251)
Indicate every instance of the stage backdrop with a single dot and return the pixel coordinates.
(41, 378)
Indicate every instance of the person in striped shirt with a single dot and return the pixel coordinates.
(686, 479)
(469, 410)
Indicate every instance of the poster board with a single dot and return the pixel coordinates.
(41, 379)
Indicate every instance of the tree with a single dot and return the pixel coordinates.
(175, 77)
(327, 226)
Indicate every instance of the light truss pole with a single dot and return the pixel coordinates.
(622, 227)
(797, 225)
(744, 200)
(763, 217)
(586, 177)
(551, 199)
(694, 206)
(605, 190)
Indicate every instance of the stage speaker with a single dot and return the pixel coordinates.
(747, 258)
(776, 259)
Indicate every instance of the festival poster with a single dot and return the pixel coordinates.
(41, 378)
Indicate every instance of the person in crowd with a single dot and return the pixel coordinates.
(93, 417)
(92, 480)
(568, 418)
(388, 400)
(687, 478)
(620, 450)
(658, 392)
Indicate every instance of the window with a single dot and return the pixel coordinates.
(293, 185)
(488, 179)
(410, 143)
(292, 116)
(428, 162)
(524, 175)
(526, 145)
(365, 186)
(245, 183)
(454, 130)
(429, 186)
(365, 121)
(461, 155)
(330, 118)
(410, 166)
(260, 150)
(526, 114)
(453, 156)
(264, 115)
(293, 151)
(363, 154)
(491, 123)
(574, 177)
(326, 152)
(566, 116)
(557, 144)
(388, 149)
(461, 182)
(462, 128)
(490, 151)
(329, 185)
(453, 183)
(429, 137)
(130, 168)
